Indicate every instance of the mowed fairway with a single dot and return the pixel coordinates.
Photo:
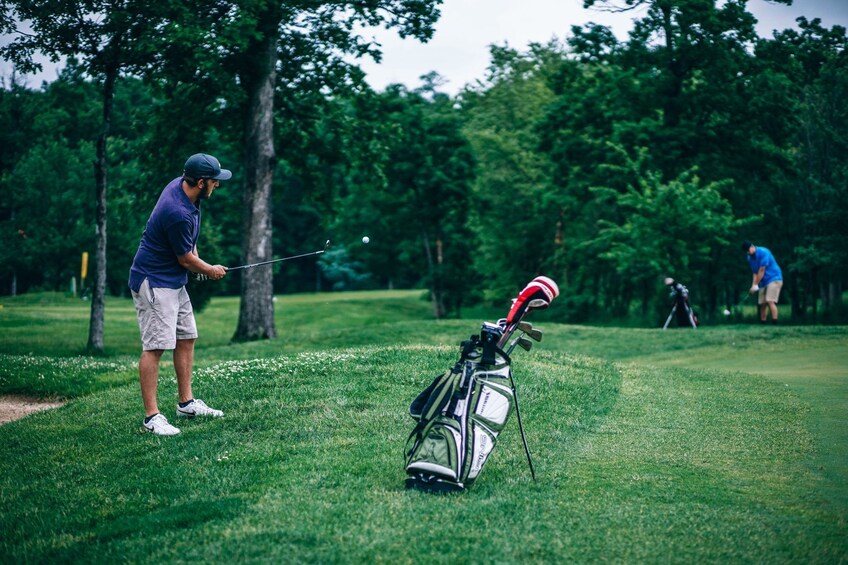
(816, 370)
(710, 446)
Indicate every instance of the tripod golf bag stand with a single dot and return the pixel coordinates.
(460, 415)
(681, 308)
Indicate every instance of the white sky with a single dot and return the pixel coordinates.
(459, 49)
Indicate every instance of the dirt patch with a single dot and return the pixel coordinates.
(14, 406)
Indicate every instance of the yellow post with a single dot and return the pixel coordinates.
(84, 269)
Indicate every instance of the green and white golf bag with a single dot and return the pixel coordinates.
(459, 417)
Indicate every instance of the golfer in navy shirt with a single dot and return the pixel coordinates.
(159, 273)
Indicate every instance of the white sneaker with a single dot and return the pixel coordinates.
(159, 425)
(197, 408)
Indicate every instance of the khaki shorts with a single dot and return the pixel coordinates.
(770, 293)
(164, 316)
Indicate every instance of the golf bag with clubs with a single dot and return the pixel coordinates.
(460, 415)
(681, 310)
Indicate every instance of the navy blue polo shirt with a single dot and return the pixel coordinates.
(171, 231)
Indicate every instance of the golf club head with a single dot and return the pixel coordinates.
(525, 343)
(530, 331)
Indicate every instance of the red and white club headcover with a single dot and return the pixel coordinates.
(535, 296)
(548, 283)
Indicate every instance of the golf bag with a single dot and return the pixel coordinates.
(681, 309)
(460, 415)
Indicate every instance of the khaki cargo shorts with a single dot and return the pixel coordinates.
(164, 316)
(770, 293)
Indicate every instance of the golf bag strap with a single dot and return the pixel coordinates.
(440, 395)
(504, 354)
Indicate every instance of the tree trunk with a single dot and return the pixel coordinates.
(435, 294)
(256, 313)
(671, 105)
(98, 307)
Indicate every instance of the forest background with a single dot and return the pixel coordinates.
(605, 164)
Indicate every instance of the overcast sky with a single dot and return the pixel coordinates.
(459, 49)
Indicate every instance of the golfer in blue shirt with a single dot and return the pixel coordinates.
(767, 281)
(159, 273)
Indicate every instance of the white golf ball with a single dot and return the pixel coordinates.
(366, 239)
(726, 312)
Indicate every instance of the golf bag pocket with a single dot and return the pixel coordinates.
(492, 399)
(437, 452)
(482, 443)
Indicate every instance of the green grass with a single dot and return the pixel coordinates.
(705, 446)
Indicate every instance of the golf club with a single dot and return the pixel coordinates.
(745, 296)
(201, 277)
(521, 341)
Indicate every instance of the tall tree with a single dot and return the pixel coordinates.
(271, 63)
(517, 228)
(109, 38)
(682, 91)
(417, 209)
(808, 71)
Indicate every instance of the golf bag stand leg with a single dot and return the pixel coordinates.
(691, 317)
(670, 316)
(521, 427)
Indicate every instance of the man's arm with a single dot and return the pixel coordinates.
(755, 282)
(192, 262)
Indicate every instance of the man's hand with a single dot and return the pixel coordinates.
(216, 272)
(754, 289)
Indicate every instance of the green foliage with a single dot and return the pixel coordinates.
(699, 132)
(669, 229)
(417, 214)
(51, 228)
(512, 216)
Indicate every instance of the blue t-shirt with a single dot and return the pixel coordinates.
(762, 257)
(171, 231)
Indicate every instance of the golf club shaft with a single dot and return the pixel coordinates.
(326, 245)
(745, 296)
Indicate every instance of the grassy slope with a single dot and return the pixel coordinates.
(637, 461)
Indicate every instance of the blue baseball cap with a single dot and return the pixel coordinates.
(203, 166)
